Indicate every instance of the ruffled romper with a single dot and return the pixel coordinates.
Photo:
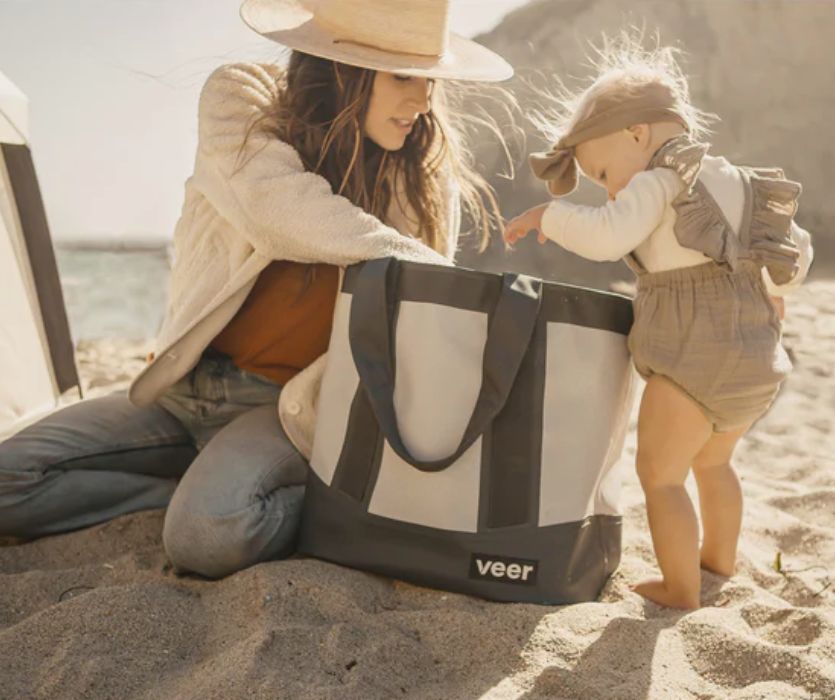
(711, 328)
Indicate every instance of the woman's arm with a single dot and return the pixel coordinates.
(402, 216)
(263, 190)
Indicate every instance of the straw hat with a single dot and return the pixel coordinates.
(409, 37)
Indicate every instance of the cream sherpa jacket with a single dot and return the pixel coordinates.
(243, 210)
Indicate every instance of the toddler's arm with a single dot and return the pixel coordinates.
(611, 231)
(803, 241)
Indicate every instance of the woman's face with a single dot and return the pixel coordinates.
(395, 105)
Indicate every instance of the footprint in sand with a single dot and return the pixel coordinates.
(727, 652)
(787, 625)
(817, 507)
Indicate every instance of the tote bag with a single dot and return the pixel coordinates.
(467, 428)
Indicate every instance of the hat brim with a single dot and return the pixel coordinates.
(289, 23)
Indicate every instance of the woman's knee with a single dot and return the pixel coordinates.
(217, 545)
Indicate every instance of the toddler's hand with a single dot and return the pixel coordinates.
(520, 226)
(780, 306)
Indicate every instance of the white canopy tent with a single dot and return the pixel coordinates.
(37, 362)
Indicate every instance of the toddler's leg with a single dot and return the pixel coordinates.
(720, 501)
(672, 430)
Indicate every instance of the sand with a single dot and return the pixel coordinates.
(99, 614)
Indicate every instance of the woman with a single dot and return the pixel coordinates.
(344, 156)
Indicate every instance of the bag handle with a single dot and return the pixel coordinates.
(371, 334)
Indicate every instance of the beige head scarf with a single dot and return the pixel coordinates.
(650, 103)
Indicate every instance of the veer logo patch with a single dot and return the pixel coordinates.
(504, 570)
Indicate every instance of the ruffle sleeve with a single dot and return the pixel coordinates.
(773, 204)
(701, 225)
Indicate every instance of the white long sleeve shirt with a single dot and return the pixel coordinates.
(640, 220)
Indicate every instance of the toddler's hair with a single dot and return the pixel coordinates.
(621, 66)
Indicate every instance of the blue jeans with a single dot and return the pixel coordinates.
(211, 449)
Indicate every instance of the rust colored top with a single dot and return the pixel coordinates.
(285, 322)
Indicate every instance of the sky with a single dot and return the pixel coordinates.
(113, 87)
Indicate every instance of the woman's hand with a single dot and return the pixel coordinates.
(520, 226)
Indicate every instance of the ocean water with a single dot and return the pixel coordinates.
(113, 293)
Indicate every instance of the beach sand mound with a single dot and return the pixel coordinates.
(99, 613)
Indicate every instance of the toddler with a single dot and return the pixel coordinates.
(714, 247)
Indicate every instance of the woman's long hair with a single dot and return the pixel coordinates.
(320, 110)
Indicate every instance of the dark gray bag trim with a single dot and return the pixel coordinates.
(574, 560)
(371, 337)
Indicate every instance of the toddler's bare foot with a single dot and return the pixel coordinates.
(656, 591)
